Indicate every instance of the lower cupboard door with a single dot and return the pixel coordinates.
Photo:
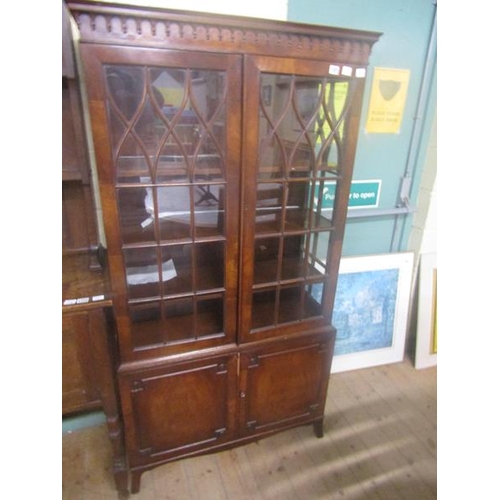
(284, 386)
(178, 410)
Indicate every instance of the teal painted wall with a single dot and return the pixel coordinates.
(407, 27)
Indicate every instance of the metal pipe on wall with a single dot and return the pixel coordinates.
(416, 135)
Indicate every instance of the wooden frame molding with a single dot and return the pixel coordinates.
(127, 25)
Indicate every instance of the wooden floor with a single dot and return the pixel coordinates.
(379, 444)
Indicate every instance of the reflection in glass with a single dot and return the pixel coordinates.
(172, 207)
(134, 216)
(314, 294)
(209, 212)
(301, 122)
(143, 272)
(177, 278)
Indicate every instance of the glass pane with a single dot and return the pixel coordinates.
(314, 297)
(208, 161)
(210, 316)
(290, 304)
(209, 89)
(318, 252)
(301, 125)
(269, 208)
(263, 308)
(209, 265)
(141, 313)
(173, 210)
(133, 168)
(135, 220)
(179, 320)
(274, 101)
(209, 214)
(288, 107)
(324, 203)
(312, 300)
(266, 255)
(330, 123)
(142, 272)
(177, 272)
(293, 257)
(146, 325)
(125, 90)
(298, 206)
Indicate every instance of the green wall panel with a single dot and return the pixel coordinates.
(407, 27)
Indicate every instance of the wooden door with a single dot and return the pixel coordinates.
(284, 385)
(299, 140)
(179, 409)
(166, 128)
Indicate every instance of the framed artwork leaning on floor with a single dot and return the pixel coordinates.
(371, 310)
(426, 343)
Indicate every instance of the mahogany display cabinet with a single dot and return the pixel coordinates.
(215, 138)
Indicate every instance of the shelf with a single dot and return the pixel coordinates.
(174, 168)
(289, 308)
(182, 326)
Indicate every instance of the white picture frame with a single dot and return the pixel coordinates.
(426, 341)
(371, 310)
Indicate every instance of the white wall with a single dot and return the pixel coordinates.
(423, 237)
(269, 9)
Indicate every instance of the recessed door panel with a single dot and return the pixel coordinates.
(179, 409)
(285, 384)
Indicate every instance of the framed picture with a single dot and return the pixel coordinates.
(371, 310)
(426, 345)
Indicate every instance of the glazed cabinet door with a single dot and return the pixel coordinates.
(178, 410)
(298, 151)
(284, 385)
(166, 128)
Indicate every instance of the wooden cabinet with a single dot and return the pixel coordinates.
(80, 387)
(216, 138)
(88, 326)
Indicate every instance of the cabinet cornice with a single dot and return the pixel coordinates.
(126, 25)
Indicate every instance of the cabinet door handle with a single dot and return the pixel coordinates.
(243, 394)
